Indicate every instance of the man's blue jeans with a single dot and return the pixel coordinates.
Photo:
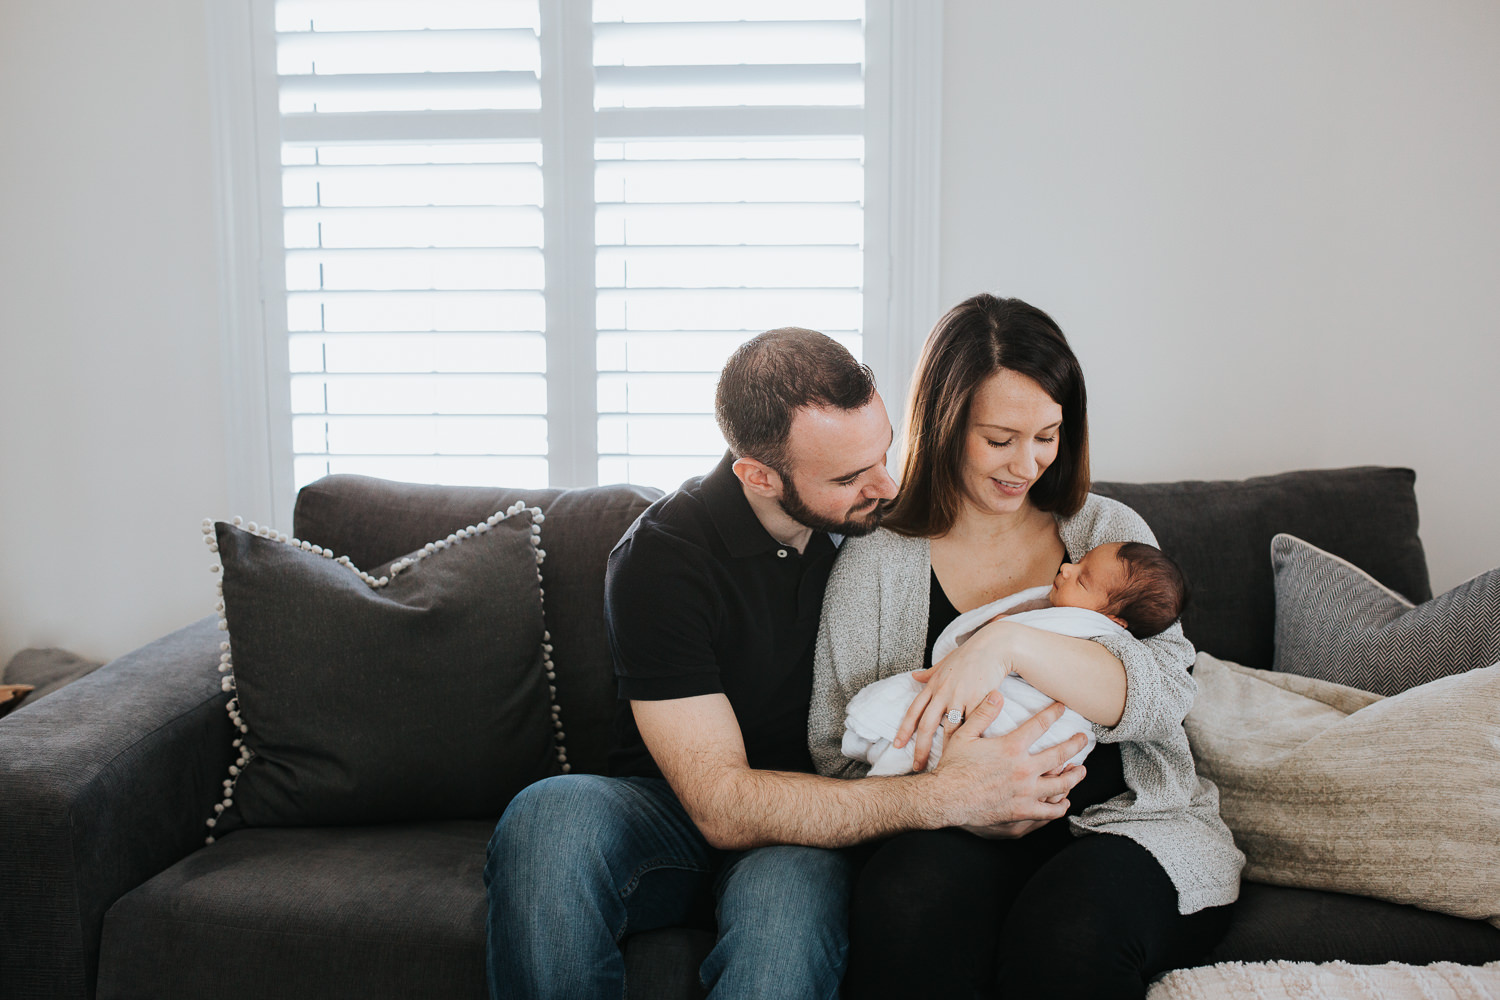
(578, 862)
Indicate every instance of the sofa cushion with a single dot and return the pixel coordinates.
(374, 521)
(1219, 532)
(1336, 622)
(384, 911)
(359, 912)
(416, 690)
(1328, 787)
(1279, 923)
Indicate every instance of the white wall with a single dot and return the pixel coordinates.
(1271, 231)
(111, 431)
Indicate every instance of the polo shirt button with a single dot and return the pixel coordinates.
(781, 553)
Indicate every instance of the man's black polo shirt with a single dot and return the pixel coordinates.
(700, 599)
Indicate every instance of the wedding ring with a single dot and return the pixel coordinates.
(955, 716)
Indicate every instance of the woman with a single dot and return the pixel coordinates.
(994, 498)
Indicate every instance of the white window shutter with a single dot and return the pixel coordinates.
(412, 189)
(430, 285)
(730, 184)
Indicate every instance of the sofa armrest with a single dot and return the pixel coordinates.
(103, 784)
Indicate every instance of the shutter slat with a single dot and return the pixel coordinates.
(408, 351)
(410, 270)
(419, 394)
(661, 11)
(428, 226)
(631, 123)
(364, 92)
(332, 53)
(770, 43)
(729, 267)
(358, 312)
(728, 86)
(433, 434)
(728, 309)
(679, 350)
(366, 186)
(412, 126)
(695, 224)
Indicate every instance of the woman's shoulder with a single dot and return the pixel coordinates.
(881, 551)
(879, 543)
(1102, 520)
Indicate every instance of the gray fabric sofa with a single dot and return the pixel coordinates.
(107, 888)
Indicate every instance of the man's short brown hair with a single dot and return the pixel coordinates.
(770, 377)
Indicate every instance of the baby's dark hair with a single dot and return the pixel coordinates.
(1155, 591)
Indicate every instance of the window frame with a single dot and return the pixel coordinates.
(903, 103)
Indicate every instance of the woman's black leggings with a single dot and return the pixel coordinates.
(944, 913)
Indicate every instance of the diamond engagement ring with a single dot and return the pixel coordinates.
(955, 716)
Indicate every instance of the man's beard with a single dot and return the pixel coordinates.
(792, 504)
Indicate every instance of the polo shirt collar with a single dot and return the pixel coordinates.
(741, 530)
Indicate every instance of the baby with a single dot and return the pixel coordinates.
(1113, 589)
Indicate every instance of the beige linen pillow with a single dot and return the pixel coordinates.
(1330, 787)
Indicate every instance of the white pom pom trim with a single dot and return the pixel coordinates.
(227, 681)
(226, 660)
(549, 667)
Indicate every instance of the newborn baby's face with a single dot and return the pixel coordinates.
(1091, 582)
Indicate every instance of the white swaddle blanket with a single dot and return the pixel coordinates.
(876, 712)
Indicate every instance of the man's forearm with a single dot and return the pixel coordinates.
(990, 783)
(750, 808)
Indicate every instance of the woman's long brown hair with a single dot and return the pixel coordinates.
(977, 338)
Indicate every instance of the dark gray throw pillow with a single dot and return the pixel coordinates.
(1337, 623)
(418, 690)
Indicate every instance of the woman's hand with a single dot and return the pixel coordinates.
(960, 680)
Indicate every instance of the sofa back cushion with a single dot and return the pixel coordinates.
(374, 520)
(1220, 533)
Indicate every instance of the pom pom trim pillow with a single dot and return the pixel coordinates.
(417, 691)
(1338, 623)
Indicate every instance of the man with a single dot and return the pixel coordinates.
(711, 602)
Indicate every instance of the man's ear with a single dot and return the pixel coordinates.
(758, 477)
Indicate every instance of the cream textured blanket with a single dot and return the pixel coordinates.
(1333, 981)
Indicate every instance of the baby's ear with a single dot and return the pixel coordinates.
(1118, 620)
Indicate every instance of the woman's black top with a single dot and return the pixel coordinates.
(1105, 778)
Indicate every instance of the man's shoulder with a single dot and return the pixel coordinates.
(677, 527)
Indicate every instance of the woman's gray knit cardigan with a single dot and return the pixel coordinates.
(875, 625)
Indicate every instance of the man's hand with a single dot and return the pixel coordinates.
(997, 787)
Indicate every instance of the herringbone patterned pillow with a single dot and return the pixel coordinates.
(1337, 623)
